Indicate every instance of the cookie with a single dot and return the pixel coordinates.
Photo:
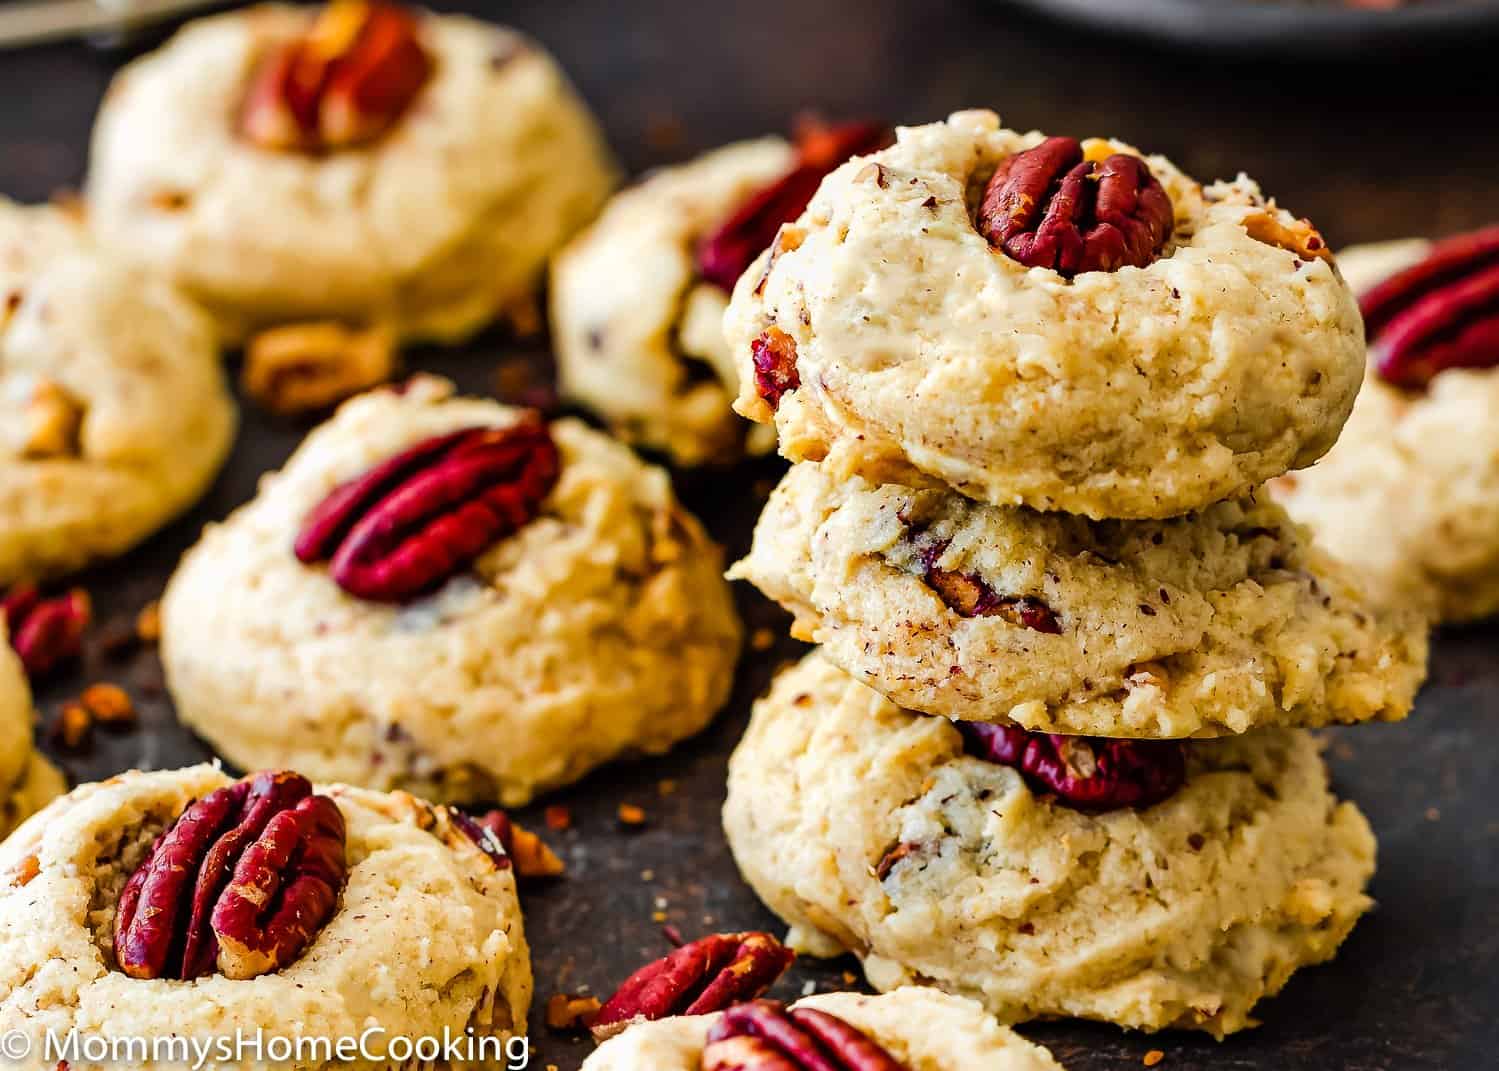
(869, 829)
(884, 335)
(1213, 623)
(436, 224)
(425, 935)
(1409, 497)
(27, 781)
(114, 413)
(600, 626)
(925, 1029)
(638, 331)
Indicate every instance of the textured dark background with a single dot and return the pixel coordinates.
(1404, 146)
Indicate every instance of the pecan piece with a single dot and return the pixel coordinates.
(969, 595)
(409, 523)
(1440, 313)
(51, 423)
(505, 842)
(241, 882)
(774, 356)
(344, 83)
(1049, 207)
(765, 1035)
(1299, 237)
(1086, 773)
(45, 631)
(724, 254)
(302, 368)
(708, 975)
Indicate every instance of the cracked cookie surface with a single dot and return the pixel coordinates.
(435, 229)
(638, 331)
(926, 1029)
(427, 934)
(601, 628)
(1409, 497)
(1185, 914)
(114, 413)
(1204, 625)
(1144, 392)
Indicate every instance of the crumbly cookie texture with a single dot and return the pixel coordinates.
(427, 935)
(638, 332)
(114, 414)
(921, 351)
(601, 628)
(1182, 915)
(1213, 623)
(27, 781)
(1410, 495)
(436, 228)
(924, 1028)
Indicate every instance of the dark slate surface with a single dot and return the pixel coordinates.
(1368, 152)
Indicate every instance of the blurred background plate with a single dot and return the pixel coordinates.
(1303, 28)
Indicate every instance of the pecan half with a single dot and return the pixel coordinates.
(765, 1035)
(241, 882)
(724, 254)
(774, 357)
(708, 975)
(1049, 207)
(1440, 313)
(969, 595)
(408, 524)
(1087, 773)
(344, 83)
(45, 631)
(302, 368)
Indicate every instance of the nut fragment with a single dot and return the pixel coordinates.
(774, 356)
(73, 729)
(108, 704)
(242, 882)
(45, 631)
(302, 368)
(50, 422)
(347, 81)
(529, 853)
(724, 254)
(764, 1035)
(1050, 207)
(1087, 773)
(408, 524)
(567, 1012)
(1299, 237)
(1440, 313)
(708, 975)
(970, 595)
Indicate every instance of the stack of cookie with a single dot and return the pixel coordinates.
(1032, 388)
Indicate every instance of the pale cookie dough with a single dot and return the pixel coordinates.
(1213, 623)
(1410, 495)
(600, 629)
(114, 414)
(427, 935)
(1136, 393)
(433, 230)
(638, 333)
(27, 781)
(1182, 915)
(925, 1029)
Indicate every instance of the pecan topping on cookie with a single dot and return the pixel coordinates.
(969, 595)
(1438, 314)
(767, 1036)
(1050, 207)
(241, 883)
(1088, 773)
(774, 355)
(408, 524)
(347, 81)
(45, 631)
(724, 254)
(50, 424)
(708, 975)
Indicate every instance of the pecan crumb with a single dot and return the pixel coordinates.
(762, 639)
(570, 1011)
(631, 816)
(1153, 1057)
(73, 729)
(25, 872)
(533, 859)
(558, 818)
(108, 704)
(148, 622)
